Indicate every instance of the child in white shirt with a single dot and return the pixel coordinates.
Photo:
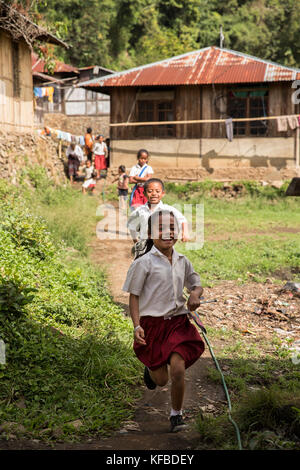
(138, 220)
(138, 175)
(89, 181)
(100, 155)
(163, 333)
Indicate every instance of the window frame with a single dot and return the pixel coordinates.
(248, 126)
(162, 132)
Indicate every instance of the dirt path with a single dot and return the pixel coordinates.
(149, 429)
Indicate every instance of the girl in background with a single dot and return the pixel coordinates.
(100, 155)
(139, 173)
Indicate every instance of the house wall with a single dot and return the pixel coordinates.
(16, 112)
(205, 146)
(210, 154)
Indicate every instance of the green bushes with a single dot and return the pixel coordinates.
(68, 346)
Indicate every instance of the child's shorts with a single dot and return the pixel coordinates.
(166, 336)
(89, 184)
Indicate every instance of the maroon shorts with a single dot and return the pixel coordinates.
(139, 198)
(164, 337)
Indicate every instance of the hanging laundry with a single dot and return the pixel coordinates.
(38, 92)
(293, 121)
(50, 94)
(229, 129)
(282, 124)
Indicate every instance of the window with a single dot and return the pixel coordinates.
(248, 103)
(16, 69)
(155, 110)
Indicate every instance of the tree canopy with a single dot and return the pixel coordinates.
(120, 34)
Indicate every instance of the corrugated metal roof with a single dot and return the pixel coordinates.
(211, 65)
(38, 65)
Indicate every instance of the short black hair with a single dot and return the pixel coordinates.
(142, 151)
(89, 130)
(153, 180)
(122, 168)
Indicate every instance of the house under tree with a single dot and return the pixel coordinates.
(207, 86)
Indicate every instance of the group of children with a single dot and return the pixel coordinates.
(94, 166)
(165, 340)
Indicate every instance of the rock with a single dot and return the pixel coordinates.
(76, 424)
(291, 286)
(277, 184)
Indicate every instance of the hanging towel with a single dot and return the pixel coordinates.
(282, 125)
(38, 92)
(293, 121)
(50, 94)
(229, 129)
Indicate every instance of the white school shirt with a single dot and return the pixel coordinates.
(159, 284)
(77, 151)
(138, 220)
(136, 170)
(100, 148)
(88, 172)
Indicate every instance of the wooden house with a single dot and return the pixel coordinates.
(17, 35)
(218, 108)
(67, 99)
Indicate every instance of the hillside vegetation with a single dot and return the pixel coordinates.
(69, 362)
(120, 34)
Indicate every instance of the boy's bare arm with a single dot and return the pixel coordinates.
(135, 317)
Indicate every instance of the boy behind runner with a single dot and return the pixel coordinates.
(138, 220)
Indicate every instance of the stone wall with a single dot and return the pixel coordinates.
(19, 150)
(77, 125)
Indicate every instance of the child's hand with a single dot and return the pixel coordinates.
(194, 301)
(184, 238)
(139, 336)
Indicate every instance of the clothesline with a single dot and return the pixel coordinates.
(203, 121)
(61, 135)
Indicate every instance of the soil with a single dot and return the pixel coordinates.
(256, 310)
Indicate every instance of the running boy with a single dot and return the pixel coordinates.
(163, 333)
(139, 173)
(154, 191)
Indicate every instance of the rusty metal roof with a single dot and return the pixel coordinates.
(211, 65)
(39, 66)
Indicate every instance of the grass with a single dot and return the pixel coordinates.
(69, 348)
(252, 236)
(256, 234)
(70, 370)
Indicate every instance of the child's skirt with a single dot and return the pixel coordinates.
(166, 336)
(100, 162)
